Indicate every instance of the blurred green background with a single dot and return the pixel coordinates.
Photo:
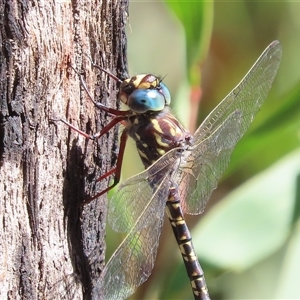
(248, 239)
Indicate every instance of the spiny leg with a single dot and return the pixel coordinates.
(116, 171)
(119, 116)
(99, 105)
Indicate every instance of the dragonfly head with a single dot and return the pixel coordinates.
(143, 93)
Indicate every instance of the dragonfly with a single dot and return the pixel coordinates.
(181, 170)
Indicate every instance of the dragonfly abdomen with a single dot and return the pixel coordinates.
(184, 240)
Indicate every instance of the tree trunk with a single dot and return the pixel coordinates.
(47, 170)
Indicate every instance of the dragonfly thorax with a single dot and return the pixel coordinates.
(144, 93)
(156, 133)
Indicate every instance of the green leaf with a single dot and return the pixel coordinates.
(245, 237)
(253, 221)
(278, 121)
(197, 19)
(289, 287)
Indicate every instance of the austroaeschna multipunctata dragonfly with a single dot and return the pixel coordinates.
(181, 172)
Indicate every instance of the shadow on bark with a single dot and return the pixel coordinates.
(73, 198)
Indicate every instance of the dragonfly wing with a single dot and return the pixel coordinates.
(131, 198)
(217, 136)
(133, 261)
(208, 160)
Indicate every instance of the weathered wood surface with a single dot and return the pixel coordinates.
(46, 170)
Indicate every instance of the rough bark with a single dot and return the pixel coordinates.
(46, 170)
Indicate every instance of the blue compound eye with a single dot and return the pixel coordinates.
(165, 91)
(143, 100)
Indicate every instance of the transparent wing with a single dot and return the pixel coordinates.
(131, 198)
(143, 198)
(217, 136)
(133, 261)
(203, 167)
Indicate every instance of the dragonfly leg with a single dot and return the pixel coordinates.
(116, 171)
(97, 135)
(99, 105)
(119, 116)
(91, 137)
(105, 71)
